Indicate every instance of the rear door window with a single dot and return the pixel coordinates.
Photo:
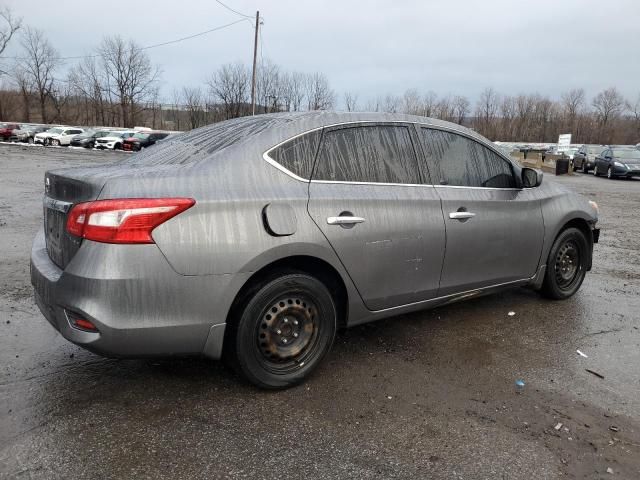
(369, 153)
(461, 161)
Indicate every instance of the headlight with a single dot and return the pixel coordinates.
(594, 205)
(618, 164)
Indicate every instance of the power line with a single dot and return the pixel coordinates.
(234, 11)
(148, 46)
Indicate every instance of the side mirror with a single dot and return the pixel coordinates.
(531, 178)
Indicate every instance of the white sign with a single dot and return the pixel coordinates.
(564, 142)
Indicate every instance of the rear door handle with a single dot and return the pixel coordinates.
(461, 215)
(344, 220)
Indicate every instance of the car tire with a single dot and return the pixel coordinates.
(117, 146)
(280, 330)
(54, 142)
(29, 140)
(595, 170)
(566, 265)
(585, 169)
(610, 175)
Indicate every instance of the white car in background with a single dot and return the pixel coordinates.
(114, 140)
(57, 136)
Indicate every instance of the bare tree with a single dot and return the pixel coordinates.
(392, 104)
(130, 76)
(429, 104)
(38, 67)
(351, 101)
(193, 100)
(318, 92)
(229, 85)
(609, 104)
(9, 25)
(411, 102)
(486, 112)
(461, 108)
(268, 86)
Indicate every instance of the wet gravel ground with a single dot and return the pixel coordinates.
(426, 395)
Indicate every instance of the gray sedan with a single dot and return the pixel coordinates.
(255, 239)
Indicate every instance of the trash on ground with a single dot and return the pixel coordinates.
(593, 372)
(581, 354)
(558, 426)
(610, 470)
(520, 386)
(613, 428)
(511, 314)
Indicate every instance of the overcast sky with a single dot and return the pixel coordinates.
(374, 47)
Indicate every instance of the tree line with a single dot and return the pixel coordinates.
(118, 85)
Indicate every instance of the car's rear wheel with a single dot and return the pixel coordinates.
(281, 331)
(566, 265)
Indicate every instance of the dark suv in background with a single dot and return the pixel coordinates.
(585, 158)
(618, 162)
(142, 140)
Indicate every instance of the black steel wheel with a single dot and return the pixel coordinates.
(283, 332)
(567, 264)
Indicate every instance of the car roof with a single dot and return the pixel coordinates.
(275, 128)
(252, 136)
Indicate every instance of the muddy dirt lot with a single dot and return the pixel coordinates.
(427, 395)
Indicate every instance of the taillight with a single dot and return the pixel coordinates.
(127, 220)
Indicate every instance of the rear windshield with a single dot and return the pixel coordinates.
(595, 149)
(196, 145)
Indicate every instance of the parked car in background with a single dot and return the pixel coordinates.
(113, 141)
(142, 140)
(569, 153)
(255, 239)
(618, 162)
(27, 132)
(57, 136)
(88, 138)
(6, 130)
(585, 158)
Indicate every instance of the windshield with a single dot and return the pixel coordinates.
(595, 150)
(627, 154)
(55, 130)
(85, 134)
(102, 133)
(143, 136)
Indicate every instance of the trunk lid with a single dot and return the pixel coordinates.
(65, 188)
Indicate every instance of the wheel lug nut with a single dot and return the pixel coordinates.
(295, 335)
(295, 322)
(284, 340)
(278, 332)
(286, 320)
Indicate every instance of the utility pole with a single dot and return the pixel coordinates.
(253, 75)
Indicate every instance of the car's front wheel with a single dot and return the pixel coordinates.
(566, 265)
(585, 169)
(610, 174)
(281, 330)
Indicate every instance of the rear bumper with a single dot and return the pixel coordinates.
(139, 304)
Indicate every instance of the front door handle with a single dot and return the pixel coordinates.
(461, 215)
(344, 220)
